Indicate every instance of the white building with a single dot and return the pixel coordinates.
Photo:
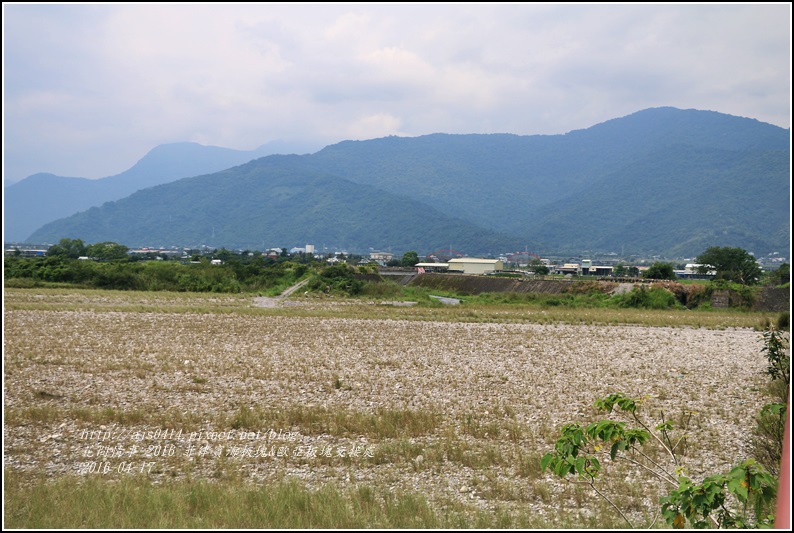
(432, 267)
(381, 257)
(470, 265)
(692, 271)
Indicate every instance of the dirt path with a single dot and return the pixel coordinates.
(275, 301)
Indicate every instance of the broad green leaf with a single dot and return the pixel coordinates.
(738, 486)
(580, 463)
(614, 451)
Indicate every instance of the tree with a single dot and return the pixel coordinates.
(538, 267)
(732, 264)
(72, 248)
(660, 271)
(369, 268)
(780, 276)
(410, 259)
(224, 255)
(107, 251)
(339, 278)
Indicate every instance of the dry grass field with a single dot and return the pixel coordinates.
(450, 407)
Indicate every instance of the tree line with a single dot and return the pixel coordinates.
(113, 267)
(728, 264)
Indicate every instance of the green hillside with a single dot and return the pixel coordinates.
(662, 181)
(502, 181)
(42, 198)
(273, 202)
(679, 200)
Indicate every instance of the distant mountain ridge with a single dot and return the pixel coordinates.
(41, 198)
(662, 181)
(519, 174)
(268, 202)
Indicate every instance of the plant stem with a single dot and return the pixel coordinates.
(592, 485)
(661, 476)
(655, 436)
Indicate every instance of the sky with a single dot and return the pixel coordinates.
(89, 89)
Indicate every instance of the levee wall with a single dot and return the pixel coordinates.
(463, 284)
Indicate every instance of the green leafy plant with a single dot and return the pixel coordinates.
(708, 502)
(767, 439)
(775, 345)
(576, 451)
(741, 498)
(644, 298)
(338, 279)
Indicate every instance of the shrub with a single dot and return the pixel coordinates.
(690, 295)
(644, 298)
(783, 321)
(336, 279)
(741, 295)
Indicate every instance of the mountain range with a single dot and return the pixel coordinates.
(662, 181)
(41, 198)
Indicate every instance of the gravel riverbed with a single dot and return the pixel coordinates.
(261, 398)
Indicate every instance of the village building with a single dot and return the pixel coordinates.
(381, 257)
(471, 265)
(432, 267)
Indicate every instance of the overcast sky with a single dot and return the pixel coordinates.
(89, 89)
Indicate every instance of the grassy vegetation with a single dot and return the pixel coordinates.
(96, 416)
(318, 420)
(227, 498)
(483, 308)
(134, 502)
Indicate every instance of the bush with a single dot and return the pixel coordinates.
(741, 295)
(644, 298)
(690, 295)
(338, 279)
(22, 283)
(783, 321)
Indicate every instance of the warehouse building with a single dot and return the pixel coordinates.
(470, 265)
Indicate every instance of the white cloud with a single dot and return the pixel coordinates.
(373, 126)
(126, 77)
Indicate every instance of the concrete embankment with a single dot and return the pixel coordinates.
(462, 284)
(770, 299)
